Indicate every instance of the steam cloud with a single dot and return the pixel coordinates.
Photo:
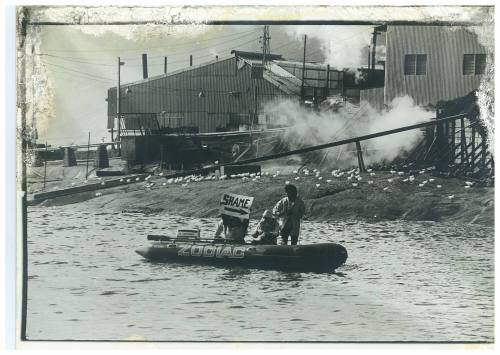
(341, 45)
(307, 128)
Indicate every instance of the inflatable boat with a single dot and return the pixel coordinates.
(323, 257)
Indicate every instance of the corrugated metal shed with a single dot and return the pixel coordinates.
(208, 96)
(219, 95)
(445, 47)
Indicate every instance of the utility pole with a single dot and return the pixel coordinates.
(302, 94)
(266, 50)
(118, 108)
(369, 60)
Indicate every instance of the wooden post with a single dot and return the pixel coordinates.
(453, 129)
(190, 60)
(463, 141)
(88, 153)
(327, 88)
(483, 151)
(45, 167)
(118, 106)
(361, 163)
(165, 65)
(473, 149)
(374, 47)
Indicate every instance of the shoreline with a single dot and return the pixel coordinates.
(374, 196)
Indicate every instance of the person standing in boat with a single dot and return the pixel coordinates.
(290, 211)
(234, 229)
(267, 230)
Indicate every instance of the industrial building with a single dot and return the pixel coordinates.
(204, 111)
(441, 68)
(220, 95)
(204, 101)
(429, 63)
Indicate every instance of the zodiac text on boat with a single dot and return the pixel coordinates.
(212, 251)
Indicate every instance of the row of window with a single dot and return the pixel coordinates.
(473, 64)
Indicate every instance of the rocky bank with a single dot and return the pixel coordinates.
(376, 195)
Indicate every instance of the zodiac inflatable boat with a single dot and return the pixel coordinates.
(323, 257)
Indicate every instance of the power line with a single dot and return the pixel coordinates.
(100, 78)
(152, 47)
(70, 59)
(225, 44)
(92, 83)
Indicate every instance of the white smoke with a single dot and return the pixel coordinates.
(308, 128)
(486, 93)
(342, 45)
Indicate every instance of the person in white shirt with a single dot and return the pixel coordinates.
(290, 211)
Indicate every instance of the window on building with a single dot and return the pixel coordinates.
(416, 64)
(474, 64)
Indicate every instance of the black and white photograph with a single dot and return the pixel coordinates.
(255, 174)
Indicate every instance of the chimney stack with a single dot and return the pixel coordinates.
(144, 65)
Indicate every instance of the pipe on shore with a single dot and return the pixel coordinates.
(319, 147)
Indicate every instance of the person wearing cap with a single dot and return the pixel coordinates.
(290, 211)
(267, 229)
(233, 228)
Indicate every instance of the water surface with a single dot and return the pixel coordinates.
(403, 281)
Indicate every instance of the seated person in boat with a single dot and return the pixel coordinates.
(267, 230)
(233, 229)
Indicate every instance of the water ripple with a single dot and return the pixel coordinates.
(403, 281)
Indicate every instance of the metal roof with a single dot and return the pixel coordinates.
(255, 55)
(274, 71)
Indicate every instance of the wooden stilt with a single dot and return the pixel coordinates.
(361, 163)
(463, 141)
(473, 148)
